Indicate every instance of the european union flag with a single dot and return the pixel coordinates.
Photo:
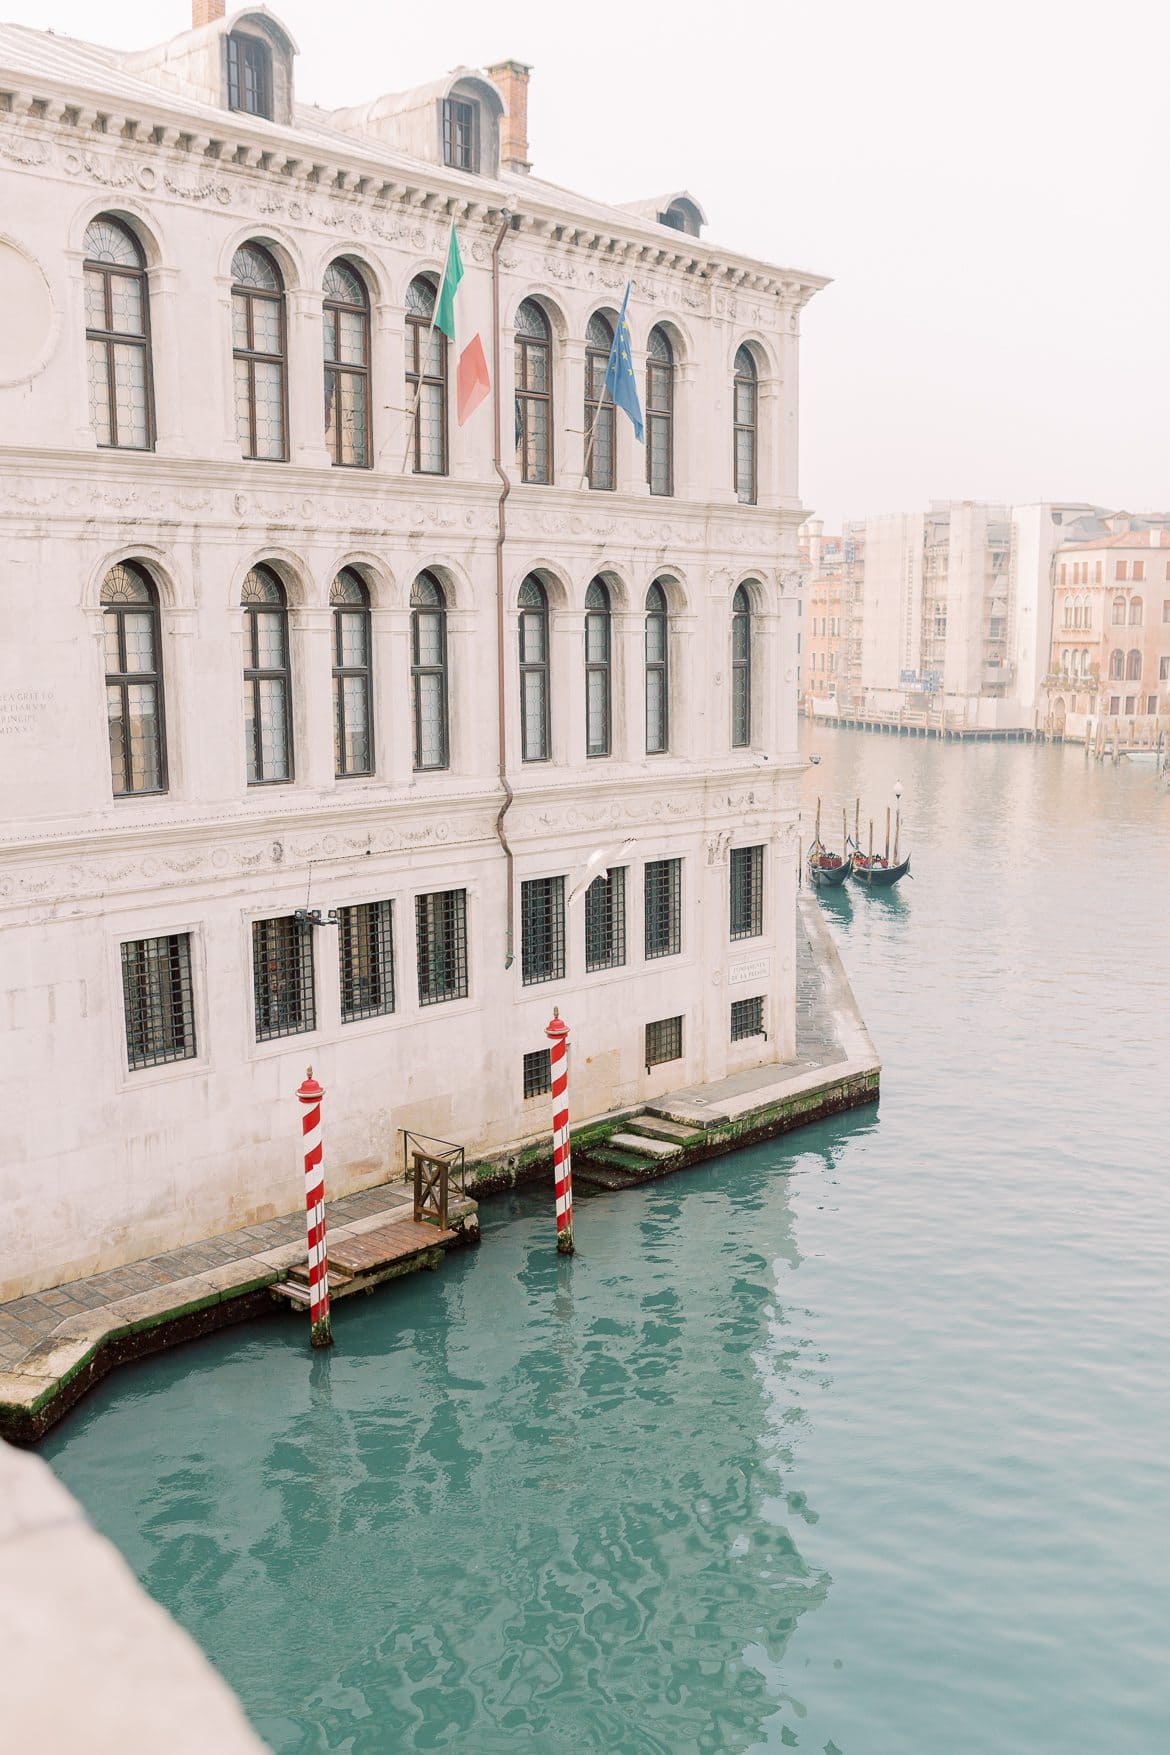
(619, 373)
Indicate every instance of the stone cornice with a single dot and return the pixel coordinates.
(142, 146)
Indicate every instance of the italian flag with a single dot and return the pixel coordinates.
(472, 382)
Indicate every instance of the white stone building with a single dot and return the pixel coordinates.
(263, 632)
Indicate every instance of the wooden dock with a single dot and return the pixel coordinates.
(363, 1260)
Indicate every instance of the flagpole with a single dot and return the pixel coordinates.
(593, 427)
(426, 354)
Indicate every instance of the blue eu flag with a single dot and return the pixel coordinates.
(619, 373)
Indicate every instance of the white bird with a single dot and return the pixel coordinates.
(598, 860)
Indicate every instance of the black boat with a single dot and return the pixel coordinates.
(876, 872)
(825, 868)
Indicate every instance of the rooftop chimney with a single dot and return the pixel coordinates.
(205, 12)
(512, 79)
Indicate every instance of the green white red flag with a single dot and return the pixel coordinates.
(472, 382)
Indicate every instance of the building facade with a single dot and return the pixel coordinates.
(335, 731)
(825, 575)
(1110, 656)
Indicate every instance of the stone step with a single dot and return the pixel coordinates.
(662, 1129)
(644, 1144)
(613, 1158)
(607, 1181)
(299, 1274)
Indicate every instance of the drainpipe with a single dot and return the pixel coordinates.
(501, 533)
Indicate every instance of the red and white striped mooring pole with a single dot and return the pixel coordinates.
(558, 1034)
(310, 1095)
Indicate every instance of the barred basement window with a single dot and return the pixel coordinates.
(747, 892)
(747, 1018)
(605, 920)
(282, 975)
(537, 1072)
(663, 1041)
(366, 945)
(441, 943)
(663, 886)
(542, 930)
(156, 991)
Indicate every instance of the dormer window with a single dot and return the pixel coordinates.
(460, 134)
(249, 75)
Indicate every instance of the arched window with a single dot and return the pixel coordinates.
(660, 413)
(117, 337)
(534, 403)
(347, 367)
(1116, 666)
(534, 676)
(599, 427)
(657, 673)
(1119, 612)
(1133, 666)
(461, 133)
(745, 419)
(267, 715)
(741, 670)
(1066, 662)
(428, 673)
(597, 670)
(1135, 612)
(249, 75)
(134, 693)
(353, 738)
(426, 378)
(258, 350)
(1068, 612)
(1085, 661)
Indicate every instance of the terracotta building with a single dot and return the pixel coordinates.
(1110, 634)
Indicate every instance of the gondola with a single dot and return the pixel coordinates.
(876, 873)
(874, 870)
(826, 870)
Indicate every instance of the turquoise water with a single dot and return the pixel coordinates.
(853, 1443)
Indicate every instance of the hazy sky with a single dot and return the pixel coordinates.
(984, 183)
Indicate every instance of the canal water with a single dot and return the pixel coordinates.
(852, 1443)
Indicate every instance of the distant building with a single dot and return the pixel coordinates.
(825, 586)
(1110, 655)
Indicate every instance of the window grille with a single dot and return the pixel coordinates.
(605, 920)
(745, 392)
(460, 134)
(663, 881)
(159, 1007)
(542, 930)
(366, 949)
(534, 401)
(426, 378)
(657, 674)
(660, 413)
(441, 944)
(537, 1072)
(353, 741)
(134, 694)
(747, 1018)
(741, 670)
(117, 337)
(258, 354)
(664, 1041)
(534, 671)
(249, 76)
(599, 423)
(282, 973)
(597, 670)
(747, 892)
(346, 329)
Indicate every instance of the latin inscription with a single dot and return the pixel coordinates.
(22, 710)
(758, 969)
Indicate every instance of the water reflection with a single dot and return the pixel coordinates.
(540, 1501)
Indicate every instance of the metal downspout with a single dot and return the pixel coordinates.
(501, 533)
